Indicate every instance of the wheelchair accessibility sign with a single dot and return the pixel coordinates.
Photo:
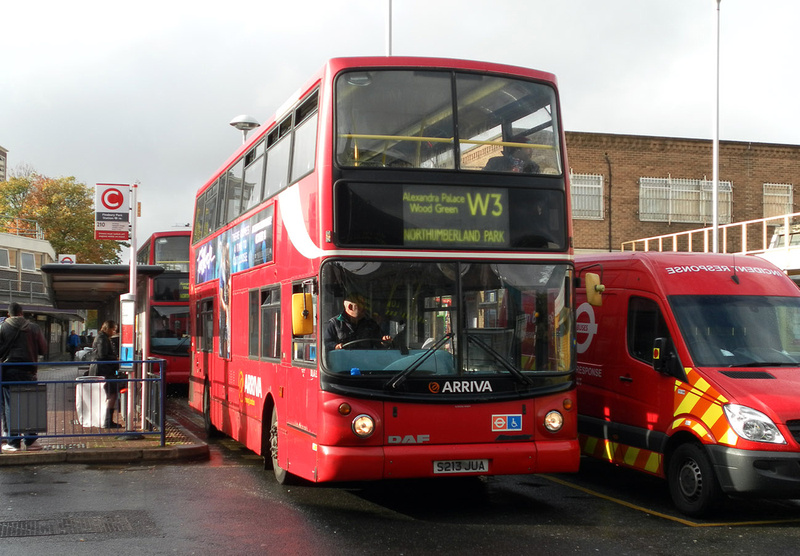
(506, 423)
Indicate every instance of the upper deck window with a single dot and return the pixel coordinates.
(408, 119)
(172, 252)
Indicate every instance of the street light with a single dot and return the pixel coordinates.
(244, 123)
(715, 157)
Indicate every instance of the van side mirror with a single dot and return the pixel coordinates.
(302, 314)
(594, 289)
(660, 354)
(665, 359)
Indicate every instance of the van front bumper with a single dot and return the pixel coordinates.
(756, 473)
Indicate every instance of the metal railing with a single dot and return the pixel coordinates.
(22, 227)
(751, 237)
(63, 403)
(24, 290)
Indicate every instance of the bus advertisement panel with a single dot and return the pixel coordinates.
(381, 277)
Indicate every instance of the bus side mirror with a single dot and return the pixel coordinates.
(594, 289)
(302, 314)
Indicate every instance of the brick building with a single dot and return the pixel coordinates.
(627, 187)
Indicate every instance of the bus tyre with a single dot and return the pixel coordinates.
(211, 430)
(692, 483)
(281, 475)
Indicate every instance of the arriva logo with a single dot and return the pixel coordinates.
(252, 385)
(460, 387)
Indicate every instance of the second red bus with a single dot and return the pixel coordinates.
(163, 304)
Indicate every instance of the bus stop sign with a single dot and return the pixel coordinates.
(112, 211)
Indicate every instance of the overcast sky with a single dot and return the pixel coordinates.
(117, 93)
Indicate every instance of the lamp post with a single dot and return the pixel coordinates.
(389, 31)
(715, 157)
(244, 123)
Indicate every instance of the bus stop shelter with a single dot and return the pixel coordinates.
(93, 286)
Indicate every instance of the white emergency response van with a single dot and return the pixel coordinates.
(690, 370)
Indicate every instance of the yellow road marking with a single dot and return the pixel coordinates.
(680, 520)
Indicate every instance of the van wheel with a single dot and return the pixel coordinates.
(281, 475)
(692, 483)
(211, 430)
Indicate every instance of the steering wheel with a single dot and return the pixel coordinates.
(372, 341)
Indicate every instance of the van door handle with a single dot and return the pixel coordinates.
(626, 378)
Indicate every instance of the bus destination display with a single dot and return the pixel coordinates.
(448, 216)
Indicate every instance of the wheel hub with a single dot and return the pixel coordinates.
(690, 479)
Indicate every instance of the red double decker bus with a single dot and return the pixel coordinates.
(162, 323)
(381, 278)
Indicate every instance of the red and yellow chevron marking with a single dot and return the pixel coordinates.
(621, 454)
(698, 408)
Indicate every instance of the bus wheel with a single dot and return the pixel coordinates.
(211, 430)
(281, 475)
(692, 483)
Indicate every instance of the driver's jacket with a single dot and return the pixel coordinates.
(340, 330)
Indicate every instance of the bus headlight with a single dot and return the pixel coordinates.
(553, 421)
(363, 426)
(753, 425)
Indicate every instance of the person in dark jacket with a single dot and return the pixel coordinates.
(351, 325)
(515, 158)
(21, 341)
(105, 350)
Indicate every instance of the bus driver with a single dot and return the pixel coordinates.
(353, 325)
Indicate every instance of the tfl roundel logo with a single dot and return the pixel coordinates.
(585, 326)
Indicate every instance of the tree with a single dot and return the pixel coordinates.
(63, 208)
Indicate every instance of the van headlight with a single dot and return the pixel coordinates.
(753, 425)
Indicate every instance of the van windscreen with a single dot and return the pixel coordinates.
(739, 331)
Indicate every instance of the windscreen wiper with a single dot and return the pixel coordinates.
(766, 364)
(400, 377)
(179, 347)
(500, 359)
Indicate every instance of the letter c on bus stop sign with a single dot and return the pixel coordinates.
(112, 199)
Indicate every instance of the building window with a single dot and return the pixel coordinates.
(777, 199)
(587, 196)
(4, 262)
(682, 200)
(28, 262)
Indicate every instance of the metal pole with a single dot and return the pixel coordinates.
(132, 294)
(132, 257)
(715, 154)
(389, 31)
